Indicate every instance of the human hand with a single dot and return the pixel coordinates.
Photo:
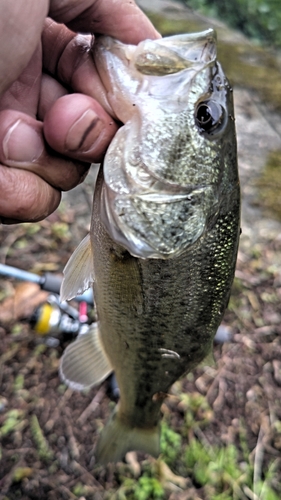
(55, 122)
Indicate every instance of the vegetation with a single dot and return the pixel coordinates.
(269, 185)
(259, 19)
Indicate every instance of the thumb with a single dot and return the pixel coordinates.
(77, 126)
(22, 146)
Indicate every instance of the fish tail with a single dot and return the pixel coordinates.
(118, 438)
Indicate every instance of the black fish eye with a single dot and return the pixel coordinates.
(208, 115)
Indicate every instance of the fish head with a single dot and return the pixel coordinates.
(174, 160)
(130, 73)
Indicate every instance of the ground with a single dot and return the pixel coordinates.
(49, 432)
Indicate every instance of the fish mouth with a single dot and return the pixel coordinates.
(176, 52)
(194, 48)
(124, 68)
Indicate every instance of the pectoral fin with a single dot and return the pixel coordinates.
(78, 272)
(84, 362)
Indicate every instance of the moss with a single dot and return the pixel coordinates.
(269, 185)
(169, 27)
(253, 68)
(11, 422)
(21, 473)
(19, 382)
(45, 453)
(245, 65)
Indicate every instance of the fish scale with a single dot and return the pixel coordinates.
(164, 234)
(191, 305)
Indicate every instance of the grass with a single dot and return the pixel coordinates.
(218, 472)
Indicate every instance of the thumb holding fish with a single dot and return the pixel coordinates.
(56, 121)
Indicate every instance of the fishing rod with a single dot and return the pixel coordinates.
(48, 281)
(54, 318)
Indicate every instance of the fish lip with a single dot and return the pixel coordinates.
(125, 52)
(208, 37)
(107, 43)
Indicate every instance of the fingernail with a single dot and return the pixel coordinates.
(22, 144)
(84, 132)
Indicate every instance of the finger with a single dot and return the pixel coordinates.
(23, 94)
(25, 197)
(121, 19)
(51, 90)
(77, 126)
(67, 57)
(21, 24)
(22, 146)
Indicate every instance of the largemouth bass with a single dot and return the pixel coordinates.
(164, 235)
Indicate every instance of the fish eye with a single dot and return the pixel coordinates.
(208, 115)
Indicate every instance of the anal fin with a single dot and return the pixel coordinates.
(84, 362)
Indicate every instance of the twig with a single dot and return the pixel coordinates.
(68, 393)
(250, 494)
(259, 452)
(66, 493)
(86, 477)
(204, 441)
(10, 240)
(92, 406)
(6, 481)
(9, 354)
(73, 446)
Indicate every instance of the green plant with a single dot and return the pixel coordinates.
(170, 444)
(197, 411)
(45, 452)
(12, 421)
(218, 469)
(148, 488)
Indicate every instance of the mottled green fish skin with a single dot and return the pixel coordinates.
(145, 305)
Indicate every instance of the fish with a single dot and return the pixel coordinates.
(162, 248)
